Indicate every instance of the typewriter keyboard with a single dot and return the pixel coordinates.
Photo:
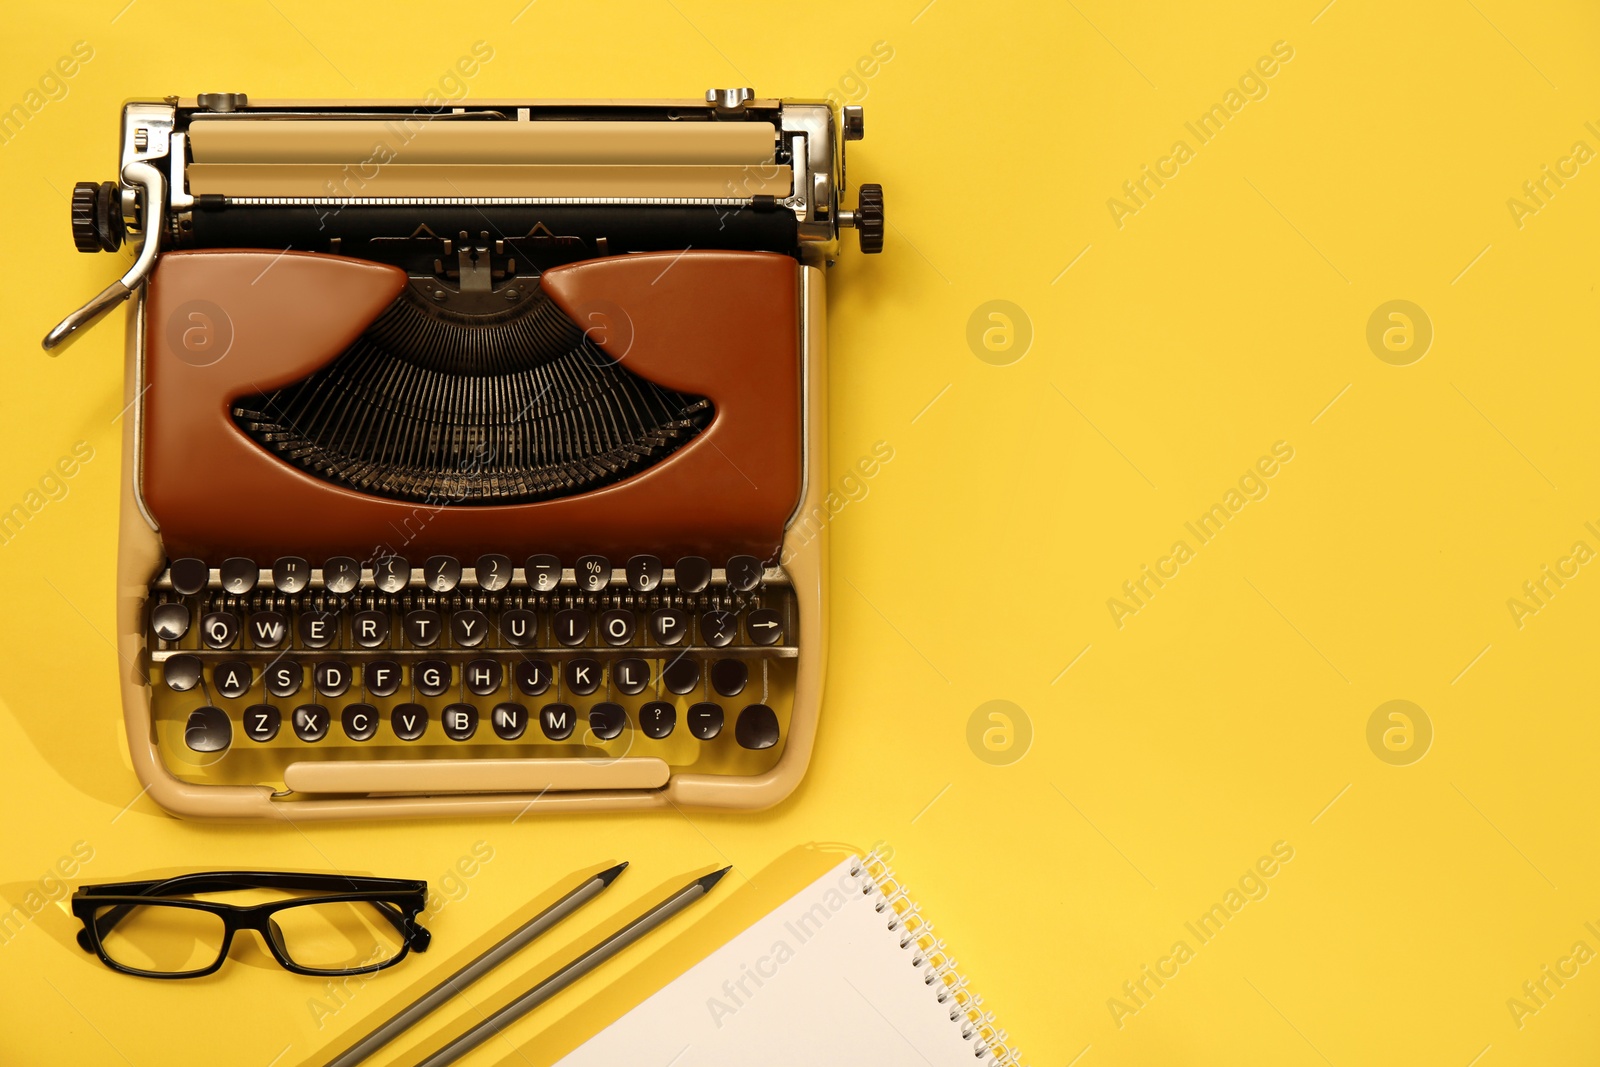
(263, 671)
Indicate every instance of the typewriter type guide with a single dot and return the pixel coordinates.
(476, 455)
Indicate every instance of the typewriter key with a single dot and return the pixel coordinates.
(744, 573)
(518, 626)
(340, 575)
(557, 721)
(593, 573)
(283, 677)
(492, 572)
(431, 677)
(607, 720)
(232, 678)
(460, 721)
(381, 677)
(764, 626)
(311, 722)
(583, 676)
(705, 720)
(644, 573)
(510, 721)
(681, 675)
(630, 676)
(533, 676)
(189, 576)
(219, 629)
(692, 574)
(616, 626)
(442, 573)
(318, 628)
(239, 575)
(261, 722)
(657, 718)
(757, 727)
(360, 721)
(268, 629)
(169, 621)
(728, 676)
(290, 574)
(370, 629)
(482, 676)
(182, 673)
(469, 628)
(391, 574)
(717, 628)
(543, 572)
(331, 677)
(571, 626)
(668, 626)
(208, 730)
(423, 627)
(410, 721)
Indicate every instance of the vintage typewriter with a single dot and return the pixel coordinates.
(475, 455)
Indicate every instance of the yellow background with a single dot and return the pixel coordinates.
(1229, 313)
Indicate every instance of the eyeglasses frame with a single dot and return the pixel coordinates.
(399, 900)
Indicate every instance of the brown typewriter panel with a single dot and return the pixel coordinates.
(715, 324)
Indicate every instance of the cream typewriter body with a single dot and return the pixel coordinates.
(476, 455)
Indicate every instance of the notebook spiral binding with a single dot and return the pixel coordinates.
(939, 969)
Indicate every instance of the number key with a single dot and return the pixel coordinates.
(593, 573)
(289, 575)
(340, 574)
(391, 574)
(543, 572)
(492, 572)
(442, 573)
(644, 573)
(239, 575)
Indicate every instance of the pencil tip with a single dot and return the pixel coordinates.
(714, 877)
(608, 876)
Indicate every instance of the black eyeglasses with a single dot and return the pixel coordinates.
(349, 926)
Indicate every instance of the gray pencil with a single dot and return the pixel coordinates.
(574, 970)
(488, 961)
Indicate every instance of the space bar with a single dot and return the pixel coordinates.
(473, 776)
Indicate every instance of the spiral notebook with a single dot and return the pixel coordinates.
(847, 968)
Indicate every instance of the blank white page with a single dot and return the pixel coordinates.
(819, 980)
